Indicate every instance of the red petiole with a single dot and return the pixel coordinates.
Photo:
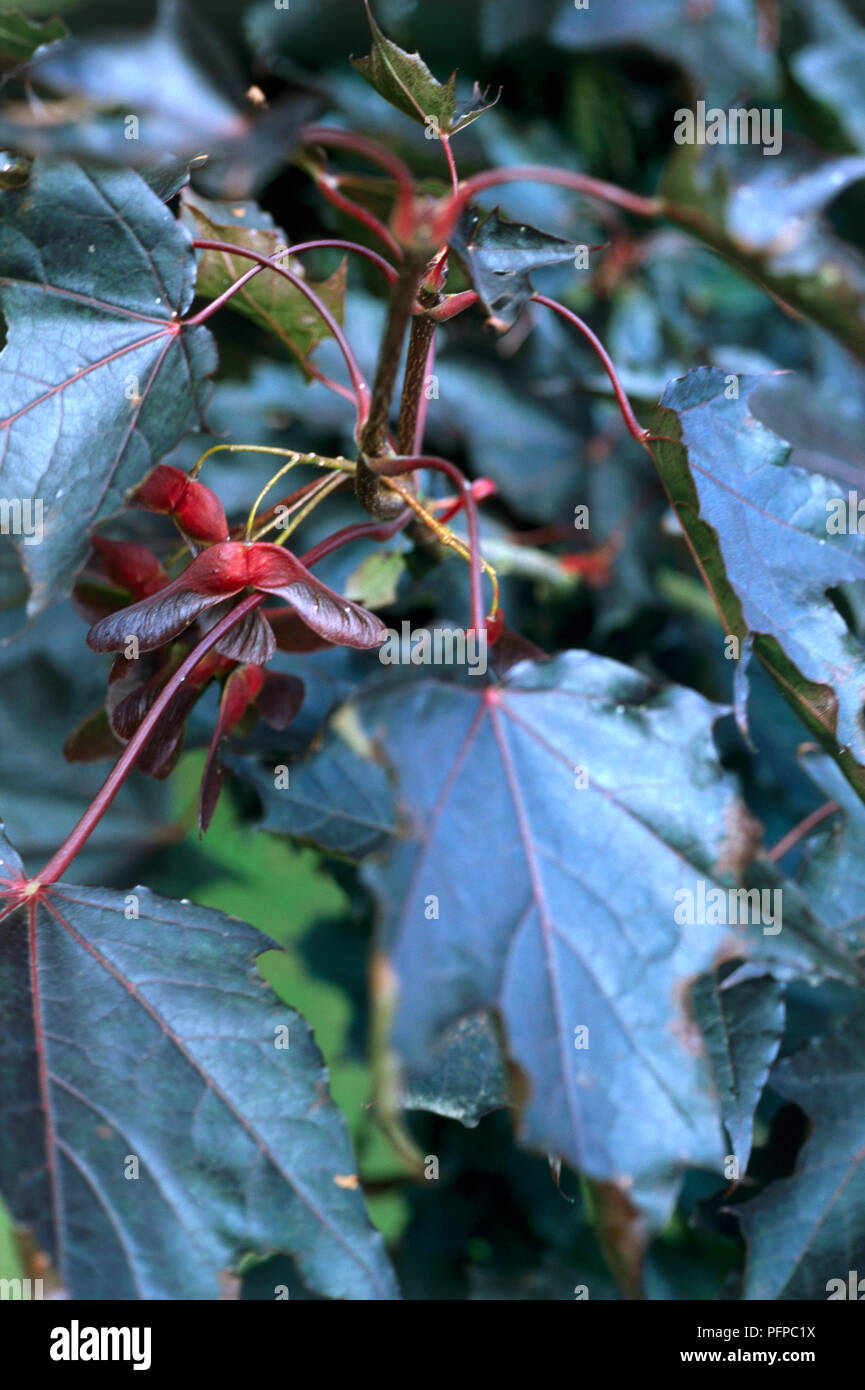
(72, 845)
(323, 243)
(329, 186)
(543, 173)
(377, 154)
(633, 424)
(358, 380)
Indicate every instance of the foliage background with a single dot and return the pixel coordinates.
(539, 420)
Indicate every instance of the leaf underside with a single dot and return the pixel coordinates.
(499, 255)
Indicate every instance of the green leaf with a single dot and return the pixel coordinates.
(20, 37)
(499, 255)
(99, 376)
(512, 888)
(406, 82)
(134, 1036)
(268, 299)
(759, 530)
(743, 1024)
(376, 580)
(807, 1229)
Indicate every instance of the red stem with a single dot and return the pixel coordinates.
(361, 387)
(803, 828)
(328, 185)
(393, 467)
(449, 155)
(378, 154)
(338, 388)
(481, 489)
(543, 173)
(204, 314)
(633, 424)
(384, 266)
(72, 845)
(453, 304)
(362, 530)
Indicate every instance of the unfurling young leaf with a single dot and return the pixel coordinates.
(406, 82)
(499, 256)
